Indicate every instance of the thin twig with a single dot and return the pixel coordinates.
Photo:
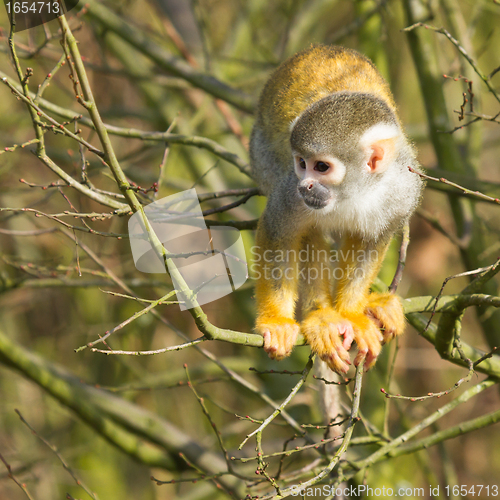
(459, 275)
(455, 386)
(165, 137)
(56, 126)
(11, 476)
(343, 447)
(477, 194)
(70, 471)
(147, 309)
(150, 353)
(278, 410)
(214, 427)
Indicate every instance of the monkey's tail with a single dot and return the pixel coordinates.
(330, 398)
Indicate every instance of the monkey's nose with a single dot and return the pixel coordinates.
(314, 194)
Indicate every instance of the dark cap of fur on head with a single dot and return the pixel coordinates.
(335, 122)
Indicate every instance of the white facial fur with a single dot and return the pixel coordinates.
(368, 211)
(314, 168)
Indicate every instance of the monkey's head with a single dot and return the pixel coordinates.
(341, 147)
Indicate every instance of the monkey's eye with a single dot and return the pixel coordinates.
(321, 166)
(302, 163)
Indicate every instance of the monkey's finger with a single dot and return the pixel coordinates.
(369, 343)
(386, 312)
(363, 356)
(371, 313)
(336, 362)
(273, 347)
(279, 339)
(268, 344)
(370, 360)
(323, 330)
(368, 356)
(326, 343)
(347, 331)
(333, 350)
(387, 323)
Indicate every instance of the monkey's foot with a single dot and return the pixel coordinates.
(386, 311)
(323, 330)
(279, 335)
(367, 337)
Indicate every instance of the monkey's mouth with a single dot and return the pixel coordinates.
(314, 194)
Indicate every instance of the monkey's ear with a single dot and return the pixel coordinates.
(380, 145)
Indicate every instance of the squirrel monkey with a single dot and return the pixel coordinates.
(328, 150)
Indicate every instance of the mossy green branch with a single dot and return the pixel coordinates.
(212, 332)
(70, 392)
(449, 303)
(490, 366)
(142, 435)
(70, 43)
(452, 432)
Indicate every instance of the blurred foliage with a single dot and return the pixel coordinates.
(52, 292)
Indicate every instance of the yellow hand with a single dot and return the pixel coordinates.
(279, 335)
(323, 330)
(386, 311)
